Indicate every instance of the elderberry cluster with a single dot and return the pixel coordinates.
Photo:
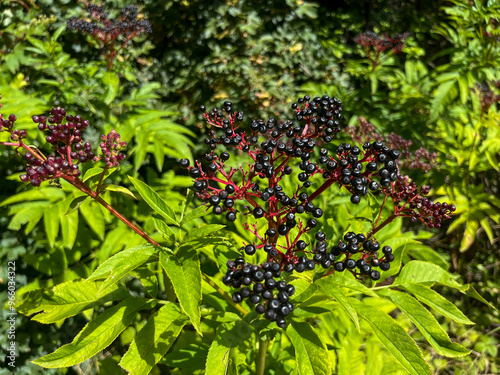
(126, 25)
(259, 284)
(296, 150)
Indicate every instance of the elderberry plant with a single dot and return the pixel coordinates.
(290, 164)
(300, 150)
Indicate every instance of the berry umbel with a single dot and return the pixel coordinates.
(298, 153)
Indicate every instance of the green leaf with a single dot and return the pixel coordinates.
(437, 302)
(426, 324)
(417, 271)
(118, 189)
(93, 216)
(224, 351)
(69, 229)
(121, 264)
(183, 270)
(440, 96)
(75, 203)
(194, 214)
(47, 193)
(185, 204)
(330, 288)
(394, 338)
(341, 279)
(202, 232)
(311, 356)
(463, 86)
(91, 173)
(148, 280)
(111, 81)
(68, 299)
(164, 228)
(98, 334)
(51, 223)
(37, 43)
(154, 340)
(154, 200)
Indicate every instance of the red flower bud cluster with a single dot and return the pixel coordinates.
(374, 44)
(421, 159)
(111, 146)
(64, 134)
(409, 201)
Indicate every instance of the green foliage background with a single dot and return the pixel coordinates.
(261, 55)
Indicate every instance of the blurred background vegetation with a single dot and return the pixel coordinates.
(441, 92)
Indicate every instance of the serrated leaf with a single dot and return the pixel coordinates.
(426, 324)
(92, 172)
(311, 356)
(98, 334)
(75, 203)
(437, 302)
(330, 288)
(223, 353)
(119, 265)
(202, 232)
(441, 93)
(93, 217)
(68, 299)
(46, 193)
(394, 338)
(191, 357)
(154, 200)
(69, 229)
(118, 189)
(470, 234)
(51, 223)
(194, 214)
(185, 204)
(163, 228)
(341, 279)
(183, 270)
(154, 340)
(417, 271)
(112, 82)
(148, 280)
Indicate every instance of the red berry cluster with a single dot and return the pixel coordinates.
(8, 125)
(382, 43)
(374, 44)
(64, 133)
(110, 146)
(420, 159)
(409, 201)
(296, 150)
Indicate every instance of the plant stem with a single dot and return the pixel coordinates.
(260, 364)
(386, 221)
